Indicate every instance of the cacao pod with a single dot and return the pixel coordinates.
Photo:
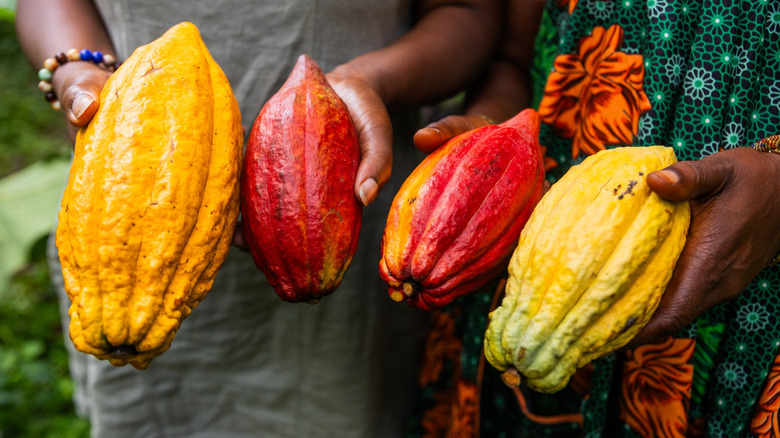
(455, 221)
(300, 216)
(589, 270)
(152, 199)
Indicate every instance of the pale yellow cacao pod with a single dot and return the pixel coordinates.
(589, 270)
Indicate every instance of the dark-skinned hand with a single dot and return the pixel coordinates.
(437, 133)
(78, 85)
(734, 200)
(733, 234)
(375, 134)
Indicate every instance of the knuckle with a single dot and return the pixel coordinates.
(672, 323)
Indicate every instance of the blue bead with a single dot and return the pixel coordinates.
(97, 57)
(86, 55)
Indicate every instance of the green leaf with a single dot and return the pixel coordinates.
(29, 202)
(7, 10)
(32, 349)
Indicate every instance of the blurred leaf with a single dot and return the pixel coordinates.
(7, 8)
(29, 201)
(29, 129)
(32, 349)
(36, 391)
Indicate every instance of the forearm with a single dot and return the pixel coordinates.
(506, 87)
(505, 91)
(445, 51)
(48, 27)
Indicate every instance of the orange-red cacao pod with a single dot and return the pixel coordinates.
(457, 218)
(300, 216)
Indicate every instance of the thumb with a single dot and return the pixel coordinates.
(375, 165)
(78, 85)
(429, 138)
(239, 239)
(686, 180)
(375, 134)
(80, 104)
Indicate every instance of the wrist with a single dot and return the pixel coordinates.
(355, 72)
(78, 87)
(51, 84)
(770, 145)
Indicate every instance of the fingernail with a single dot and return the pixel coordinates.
(368, 191)
(428, 131)
(669, 177)
(80, 104)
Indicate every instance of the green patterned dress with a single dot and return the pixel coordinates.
(697, 75)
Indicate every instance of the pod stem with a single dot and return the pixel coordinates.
(122, 351)
(411, 288)
(511, 378)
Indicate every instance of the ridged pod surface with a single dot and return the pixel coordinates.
(300, 215)
(589, 270)
(151, 204)
(455, 221)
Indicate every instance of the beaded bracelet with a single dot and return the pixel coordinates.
(45, 74)
(769, 144)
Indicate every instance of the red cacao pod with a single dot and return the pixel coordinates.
(457, 218)
(300, 216)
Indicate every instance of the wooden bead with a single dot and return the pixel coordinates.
(108, 60)
(44, 74)
(50, 64)
(44, 86)
(73, 55)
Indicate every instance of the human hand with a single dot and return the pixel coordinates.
(375, 134)
(437, 133)
(78, 86)
(733, 234)
(239, 241)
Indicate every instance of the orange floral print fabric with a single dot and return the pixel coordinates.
(766, 423)
(454, 415)
(464, 411)
(595, 96)
(656, 388)
(570, 4)
(442, 345)
(437, 420)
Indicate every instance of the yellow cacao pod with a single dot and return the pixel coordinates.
(152, 199)
(589, 270)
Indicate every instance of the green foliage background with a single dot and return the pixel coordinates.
(35, 388)
(31, 131)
